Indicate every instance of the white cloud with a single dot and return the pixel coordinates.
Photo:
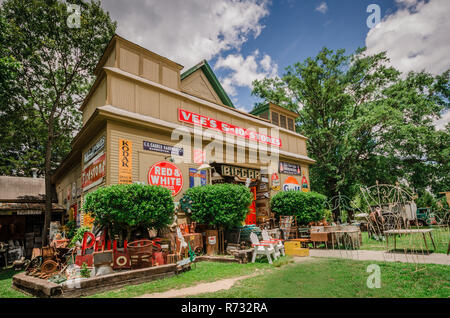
(322, 8)
(188, 31)
(243, 71)
(415, 37)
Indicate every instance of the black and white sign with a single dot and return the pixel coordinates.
(153, 146)
(94, 149)
(290, 168)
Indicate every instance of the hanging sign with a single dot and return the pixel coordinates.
(305, 187)
(99, 145)
(289, 168)
(196, 178)
(167, 149)
(94, 172)
(167, 175)
(276, 184)
(241, 172)
(291, 184)
(207, 122)
(125, 161)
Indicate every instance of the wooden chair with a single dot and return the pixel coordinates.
(277, 244)
(289, 226)
(262, 249)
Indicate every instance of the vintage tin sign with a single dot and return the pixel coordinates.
(125, 161)
(241, 172)
(291, 184)
(94, 172)
(207, 122)
(167, 149)
(196, 178)
(289, 168)
(305, 187)
(167, 175)
(276, 183)
(99, 145)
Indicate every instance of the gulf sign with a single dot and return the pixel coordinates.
(94, 172)
(207, 122)
(167, 175)
(291, 184)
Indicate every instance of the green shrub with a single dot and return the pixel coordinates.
(130, 206)
(307, 206)
(78, 236)
(220, 205)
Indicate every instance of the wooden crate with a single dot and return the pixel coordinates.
(296, 251)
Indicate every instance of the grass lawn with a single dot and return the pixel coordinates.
(441, 238)
(5, 285)
(201, 273)
(343, 278)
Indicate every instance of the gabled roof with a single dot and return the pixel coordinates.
(209, 73)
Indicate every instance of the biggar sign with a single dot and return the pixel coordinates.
(166, 175)
(207, 122)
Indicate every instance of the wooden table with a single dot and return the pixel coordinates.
(394, 233)
(349, 232)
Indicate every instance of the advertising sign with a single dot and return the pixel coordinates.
(167, 175)
(154, 146)
(207, 122)
(290, 168)
(276, 183)
(241, 172)
(94, 172)
(99, 145)
(291, 184)
(125, 161)
(305, 187)
(196, 178)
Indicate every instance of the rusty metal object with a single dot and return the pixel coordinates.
(140, 253)
(49, 266)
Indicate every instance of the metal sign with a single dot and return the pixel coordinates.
(241, 172)
(276, 184)
(168, 149)
(94, 172)
(290, 168)
(291, 184)
(196, 178)
(99, 145)
(167, 175)
(125, 161)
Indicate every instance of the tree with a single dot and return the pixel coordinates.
(365, 122)
(126, 207)
(57, 62)
(220, 204)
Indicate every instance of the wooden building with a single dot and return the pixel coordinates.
(139, 99)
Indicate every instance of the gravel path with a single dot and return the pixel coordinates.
(365, 255)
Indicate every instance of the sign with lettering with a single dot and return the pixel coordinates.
(154, 146)
(99, 145)
(167, 175)
(290, 168)
(305, 187)
(125, 161)
(196, 178)
(207, 122)
(241, 172)
(291, 184)
(94, 172)
(276, 184)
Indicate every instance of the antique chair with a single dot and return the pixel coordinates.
(278, 244)
(262, 249)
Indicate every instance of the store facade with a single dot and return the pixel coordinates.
(144, 121)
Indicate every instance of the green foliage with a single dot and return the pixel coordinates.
(220, 205)
(78, 236)
(50, 70)
(70, 229)
(85, 271)
(307, 206)
(426, 201)
(130, 206)
(365, 121)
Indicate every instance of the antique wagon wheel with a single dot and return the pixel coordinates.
(49, 266)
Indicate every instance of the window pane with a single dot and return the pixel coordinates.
(275, 118)
(291, 124)
(283, 121)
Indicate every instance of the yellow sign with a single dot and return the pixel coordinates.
(125, 161)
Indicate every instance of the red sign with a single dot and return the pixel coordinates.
(166, 175)
(207, 122)
(93, 174)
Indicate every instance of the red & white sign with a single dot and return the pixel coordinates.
(207, 122)
(167, 175)
(94, 172)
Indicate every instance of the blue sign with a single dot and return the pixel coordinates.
(196, 178)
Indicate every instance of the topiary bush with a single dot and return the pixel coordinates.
(307, 206)
(218, 205)
(130, 206)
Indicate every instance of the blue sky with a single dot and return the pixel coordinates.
(252, 39)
